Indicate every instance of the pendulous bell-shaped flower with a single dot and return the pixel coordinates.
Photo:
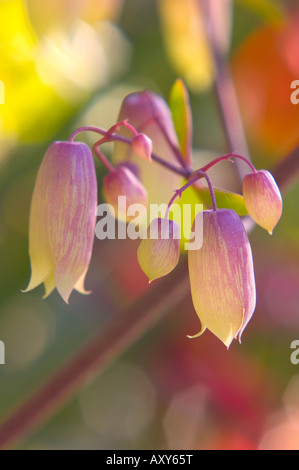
(159, 253)
(123, 182)
(262, 199)
(62, 219)
(222, 276)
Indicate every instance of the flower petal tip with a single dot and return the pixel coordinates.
(203, 329)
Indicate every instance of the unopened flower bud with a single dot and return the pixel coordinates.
(123, 182)
(150, 114)
(222, 276)
(143, 147)
(263, 199)
(159, 253)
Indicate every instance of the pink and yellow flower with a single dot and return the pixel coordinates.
(159, 253)
(262, 199)
(222, 276)
(62, 219)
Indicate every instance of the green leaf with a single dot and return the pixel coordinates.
(270, 10)
(224, 199)
(184, 212)
(182, 117)
(186, 208)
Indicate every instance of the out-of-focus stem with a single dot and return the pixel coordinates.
(287, 170)
(183, 171)
(112, 341)
(198, 174)
(229, 157)
(102, 157)
(226, 95)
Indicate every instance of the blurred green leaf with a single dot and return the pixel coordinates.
(225, 200)
(182, 117)
(269, 10)
(184, 212)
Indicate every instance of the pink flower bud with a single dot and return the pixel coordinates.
(222, 276)
(62, 219)
(143, 146)
(263, 199)
(123, 182)
(150, 114)
(159, 253)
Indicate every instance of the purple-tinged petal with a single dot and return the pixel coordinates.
(263, 199)
(222, 276)
(63, 214)
(72, 190)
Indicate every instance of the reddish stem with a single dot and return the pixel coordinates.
(125, 123)
(101, 156)
(123, 330)
(228, 157)
(185, 172)
(197, 176)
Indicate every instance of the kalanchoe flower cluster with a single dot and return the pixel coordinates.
(63, 215)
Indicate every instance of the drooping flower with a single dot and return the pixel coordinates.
(123, 182)
(159, 253)
(222, 276)
(262, 199)
(62, 219)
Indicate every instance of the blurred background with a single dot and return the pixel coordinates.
(67, 63)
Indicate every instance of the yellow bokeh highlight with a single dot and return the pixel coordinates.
(185, 41)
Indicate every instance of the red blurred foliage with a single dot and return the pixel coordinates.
(240, 392)
(230, 441)
(264, 67)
